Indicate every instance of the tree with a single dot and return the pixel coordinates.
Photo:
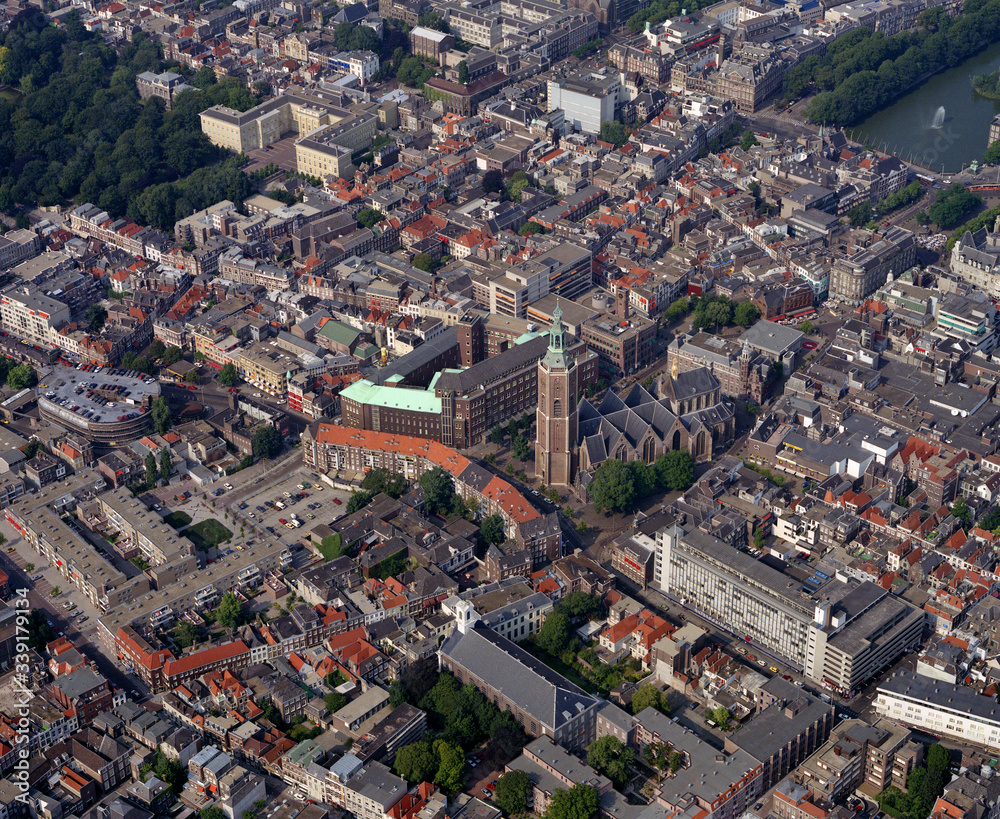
(613, 487)
(228, 376)
(165, 466)
(431, 19)
(648, 696)
(203, 77)
(512, 791)
(150, 470)
(331, 546)
(213, 811)
(675, 470)
(21, 377)
(492, 529)
(861, 214)
(518, 181)
(951, 205)
(554, 633)
(192, 377)
(162, 419)
(172, 355)
(806, 327)
(95, 316)
(451, 766)
(748, 140)
(416, 762)
(185, 635)
(463, 72)
(759, 537)
(358, 500)
(369, 217)
(381, 480)
(493, 182)
(497, 435)
(960, 509)
(439, 491)
(992, 154)
(611, 757)
(520, 448)
(266, 442)
(530, 229)
(657, 756)
(425, 262)
(231, 612)
(580, 606)
(721, 717)
(746, 313)
(170, 772)
(579, 802)
(334, 702)
(615, 132)
(40, 633)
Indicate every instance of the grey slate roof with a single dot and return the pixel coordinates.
(547, 696)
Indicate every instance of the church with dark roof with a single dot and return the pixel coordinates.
(687, 412)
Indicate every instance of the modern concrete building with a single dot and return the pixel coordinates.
(940, 709)
(840, 634)
(588, 99)
(28, 314)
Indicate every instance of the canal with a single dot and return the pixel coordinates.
(942, 124)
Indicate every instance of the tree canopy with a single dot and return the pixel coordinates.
(492, 529)
(512, 791)
(864, 70)
(439, 491)
(172, 355)
(952, 204)
(228, 376)
(649, 696)
(416, 762)
(231, 613)
(611, 757)
(266, 442)
(78, 131)
(381, 480)
(369, 217)
(579, 802)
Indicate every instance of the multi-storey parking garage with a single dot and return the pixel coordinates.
(105, 405)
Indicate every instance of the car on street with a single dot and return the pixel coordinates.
(228, 485)
(336, 501)
(773, 669)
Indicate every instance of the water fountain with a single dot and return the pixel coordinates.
(938, 121)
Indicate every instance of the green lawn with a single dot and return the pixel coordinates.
(178, 519)
(207, 534)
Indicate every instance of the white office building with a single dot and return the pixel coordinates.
(587, 99)
(942, 709)
(840, 634)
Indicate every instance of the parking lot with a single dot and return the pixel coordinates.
(71, 605)
(256, 504)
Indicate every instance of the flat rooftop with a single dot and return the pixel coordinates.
(107, 397)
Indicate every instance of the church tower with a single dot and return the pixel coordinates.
(557, 416)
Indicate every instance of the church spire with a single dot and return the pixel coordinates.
(555, 358)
